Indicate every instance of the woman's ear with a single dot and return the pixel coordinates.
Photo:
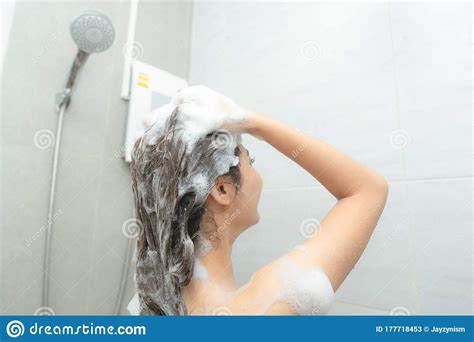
(223, 191)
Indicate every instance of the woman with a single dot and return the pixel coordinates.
(196, 191)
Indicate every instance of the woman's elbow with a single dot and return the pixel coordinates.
(380, 188)
(377, 188)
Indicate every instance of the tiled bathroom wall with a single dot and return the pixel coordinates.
(390, 85)
(387, 83)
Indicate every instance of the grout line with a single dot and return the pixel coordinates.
(433, 179)
(407, 181)
(407, 211)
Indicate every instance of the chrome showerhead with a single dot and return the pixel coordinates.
(93, 32)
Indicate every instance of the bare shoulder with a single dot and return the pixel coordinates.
(289, 285)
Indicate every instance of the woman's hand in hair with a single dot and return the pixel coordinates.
(212, 107)
(249, 125)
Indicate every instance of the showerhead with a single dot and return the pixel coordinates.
(93, 32)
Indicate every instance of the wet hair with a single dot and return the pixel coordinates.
(169, 209)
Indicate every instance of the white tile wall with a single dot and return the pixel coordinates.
(432, 67)
(442, 231)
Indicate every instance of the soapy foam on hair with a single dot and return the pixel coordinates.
(174, 166)
(205, 111)
(202, 245)
(202, 110)
(194, 122)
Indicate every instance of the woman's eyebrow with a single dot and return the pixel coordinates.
(248, 152)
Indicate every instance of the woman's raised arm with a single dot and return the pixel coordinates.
(361, 193)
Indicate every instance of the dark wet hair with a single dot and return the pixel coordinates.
(169, 218)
